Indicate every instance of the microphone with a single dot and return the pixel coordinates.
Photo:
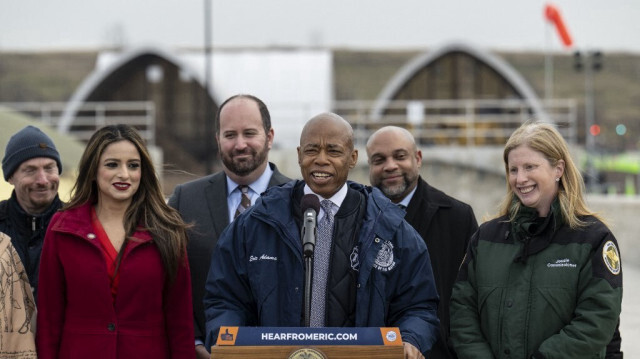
(310, 207)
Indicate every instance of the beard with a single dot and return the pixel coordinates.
(245, 166)
(398, 191)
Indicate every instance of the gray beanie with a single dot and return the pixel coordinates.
(26, 144)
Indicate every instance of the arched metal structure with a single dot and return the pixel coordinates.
(457, 95)
(416, 70)
(158, 76)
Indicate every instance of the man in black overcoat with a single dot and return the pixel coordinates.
(445, 224)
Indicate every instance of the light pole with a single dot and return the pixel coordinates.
(590, 62)
(208, 113)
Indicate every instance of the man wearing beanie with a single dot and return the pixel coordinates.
(32, 165)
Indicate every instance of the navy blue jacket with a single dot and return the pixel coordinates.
(257, 271)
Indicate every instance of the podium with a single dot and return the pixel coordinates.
(308, 343)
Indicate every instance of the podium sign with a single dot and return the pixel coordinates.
(303, 342)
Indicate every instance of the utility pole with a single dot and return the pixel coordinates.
(208, 113)
(548, 68)
(590, 62)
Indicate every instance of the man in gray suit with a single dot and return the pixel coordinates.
(244, 135)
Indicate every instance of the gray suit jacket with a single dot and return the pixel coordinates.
(203, 202)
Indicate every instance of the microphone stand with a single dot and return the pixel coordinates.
(308, 274)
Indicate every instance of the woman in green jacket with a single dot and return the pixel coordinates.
(544, 278)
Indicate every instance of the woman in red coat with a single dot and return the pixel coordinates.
(114, 279)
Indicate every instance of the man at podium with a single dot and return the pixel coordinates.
(370, 268)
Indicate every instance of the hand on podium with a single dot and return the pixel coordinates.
(201, 352)
(411, 352)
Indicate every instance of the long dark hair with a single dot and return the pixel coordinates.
(147, 208)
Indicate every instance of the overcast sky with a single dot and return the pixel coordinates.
(516, 25)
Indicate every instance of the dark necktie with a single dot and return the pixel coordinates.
(321, 257)
(245, 202)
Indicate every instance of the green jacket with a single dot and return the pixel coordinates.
(557, 296)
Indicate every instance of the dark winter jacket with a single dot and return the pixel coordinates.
(27, 233)
(257, 271)
(446, 225)
(553, 295)
(203, 202)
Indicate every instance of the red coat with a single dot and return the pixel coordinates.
(77, 317)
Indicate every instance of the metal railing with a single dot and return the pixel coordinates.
(91, 116)
(432, 122)
(457, 122)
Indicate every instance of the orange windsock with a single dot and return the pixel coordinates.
(553, 15)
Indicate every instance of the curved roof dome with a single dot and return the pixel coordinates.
(412, 69)
(109, 64)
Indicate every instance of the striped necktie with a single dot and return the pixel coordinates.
(321, 257)
(245, 202)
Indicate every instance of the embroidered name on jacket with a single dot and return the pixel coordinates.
(562, 263)
(384, 260)
(263, 257)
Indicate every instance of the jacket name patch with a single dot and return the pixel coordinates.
(561, 263)
(263, 257)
